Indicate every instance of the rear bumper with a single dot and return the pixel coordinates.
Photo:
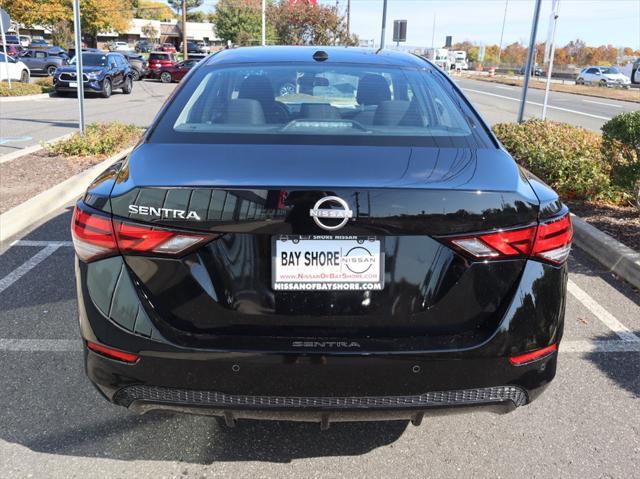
(369, 383)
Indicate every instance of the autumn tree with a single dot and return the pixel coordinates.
(306, 23)
(152, 10)
(240, 22)
(514, 54)
(104, 16)
(47, 13)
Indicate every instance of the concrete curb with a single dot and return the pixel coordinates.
(39, 96)
(609, 252)
(40, 206)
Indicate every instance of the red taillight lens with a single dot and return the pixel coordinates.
(533, 355)
(550, 241)
(96, 236)
(92, 235)
(113, 353)
(553, 241)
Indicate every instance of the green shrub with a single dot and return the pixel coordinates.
(46, 84)
(569, 159)
(621, 143)
(99, 139)
(19, 89)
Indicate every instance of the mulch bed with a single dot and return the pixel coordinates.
(621, 222)
(25, 177)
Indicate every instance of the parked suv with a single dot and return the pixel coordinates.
(102, 73)
(603, 76)
(42, 61)
(139, 66)
(159, 60)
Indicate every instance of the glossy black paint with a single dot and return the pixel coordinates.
(219, 325)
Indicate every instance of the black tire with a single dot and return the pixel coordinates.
(107, 89)
(24, 76)
(165, 77)
(135, 75)
(51, 70)
(127, 86)
(579, 81)
(602, 83)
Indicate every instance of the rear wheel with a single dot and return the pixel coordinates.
(579, 81)
(106, 88)
(165, 77)
(24, 76)
(127, 86)
(51, 69)
(135, 75)
(603, 83)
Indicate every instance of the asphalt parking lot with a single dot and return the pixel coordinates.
(54, 424)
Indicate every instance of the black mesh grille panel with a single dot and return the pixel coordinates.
(216, 399)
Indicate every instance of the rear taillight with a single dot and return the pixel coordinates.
(113, 353)
(92, 235)
(531, 356)
(97, 236)
(549, 241)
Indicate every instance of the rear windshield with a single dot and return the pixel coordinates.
(159, 56)
(316, 103)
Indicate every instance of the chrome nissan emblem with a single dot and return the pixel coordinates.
(343, 213)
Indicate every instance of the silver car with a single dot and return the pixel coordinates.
(603, 76)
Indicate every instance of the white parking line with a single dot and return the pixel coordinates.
(41, 243)
(602, 314)
(37, 345)
(602, 103)
(538, 104)
(595, 346)
(505, 87)
(27, 266)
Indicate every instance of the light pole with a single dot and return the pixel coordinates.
(504, 21)
(530, 57)
(552, 52)
(185, 48)
(264, 22)
(79, 77)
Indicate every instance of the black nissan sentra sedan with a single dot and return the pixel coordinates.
(359, 248)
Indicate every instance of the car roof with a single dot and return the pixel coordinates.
(304, 54)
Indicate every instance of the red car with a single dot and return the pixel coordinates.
(168, 48)
(177, 71)
(158, 61)
(12, 50)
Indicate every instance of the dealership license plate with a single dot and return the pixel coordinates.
(327, 263)
(73, 84)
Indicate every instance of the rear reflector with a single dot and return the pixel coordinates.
(113, 353)
(533, 355)
(95, 236)
(549, 241)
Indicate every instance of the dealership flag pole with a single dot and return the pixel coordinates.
(79, 78)
(530, 57)
(550, 52)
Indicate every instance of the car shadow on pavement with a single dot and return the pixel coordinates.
(623, 368)
(50, 407)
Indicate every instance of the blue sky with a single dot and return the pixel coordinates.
(598, 22)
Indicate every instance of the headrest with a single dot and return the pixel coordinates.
(373, 89)
(244, 111)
